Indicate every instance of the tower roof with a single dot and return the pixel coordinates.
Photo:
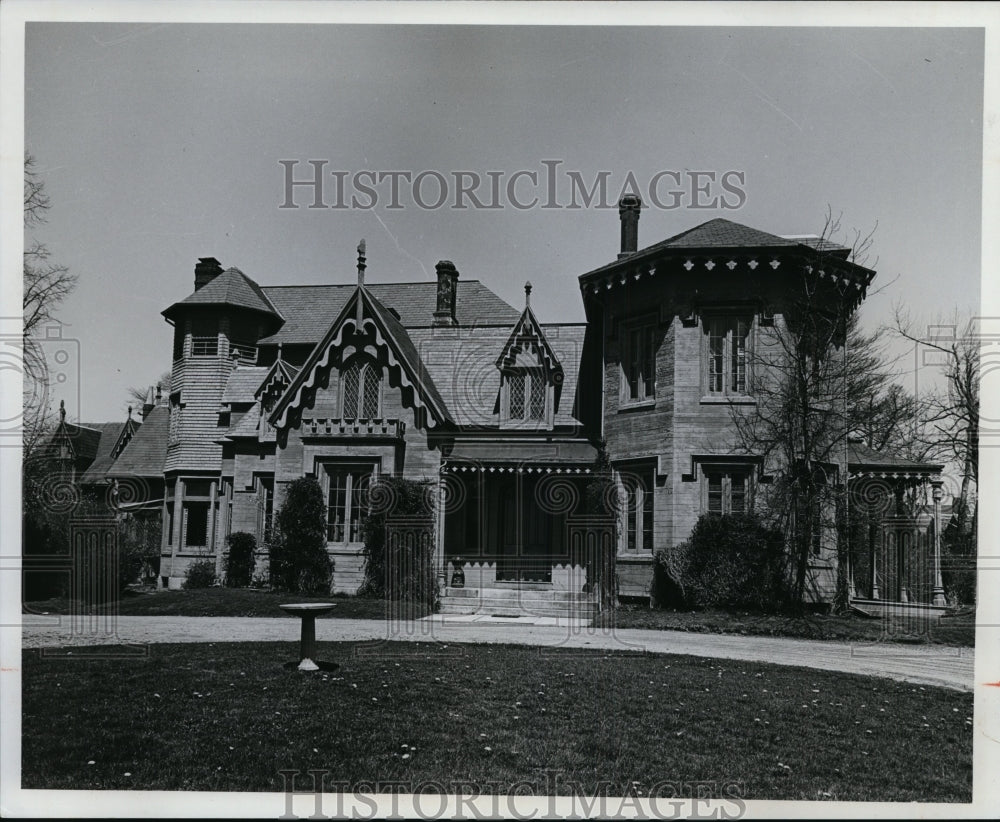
(231, 288)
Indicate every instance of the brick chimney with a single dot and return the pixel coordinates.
(447, 288)
(628, 212)
(208, 269)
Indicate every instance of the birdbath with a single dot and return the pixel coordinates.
(307, 612)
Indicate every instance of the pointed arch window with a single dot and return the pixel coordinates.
(361, 385)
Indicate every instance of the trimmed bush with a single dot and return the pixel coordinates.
(731, 561)
(299, 562)
(240, 561)
(398, 531)
(200, 574)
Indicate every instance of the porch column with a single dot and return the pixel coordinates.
(441, 571)
(876, 533)
(938, 596)
(211, 537)
(178, 527)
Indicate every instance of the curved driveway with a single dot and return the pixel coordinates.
(925, 664)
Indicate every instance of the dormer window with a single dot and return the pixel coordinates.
(361, 387)
(529, 374)
(527, 390)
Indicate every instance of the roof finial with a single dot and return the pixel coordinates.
(279, 351)
(361, 263)
(130, 412)
(527, 294)
(62, 410)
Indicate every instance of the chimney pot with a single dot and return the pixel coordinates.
(208, 269)
(629, 207)
(447, 288)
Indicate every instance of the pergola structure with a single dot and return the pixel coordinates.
(895, 554)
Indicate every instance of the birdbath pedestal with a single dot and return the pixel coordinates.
(307, 612)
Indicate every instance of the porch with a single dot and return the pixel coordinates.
(894, 546)
(517, 539)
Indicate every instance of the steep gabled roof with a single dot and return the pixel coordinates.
(307, 308)
(233, 288)
(463, 365)
(278, 377)
(145, 453)
(89, 443)
(401, 347)
(113, 435)
(528, 336)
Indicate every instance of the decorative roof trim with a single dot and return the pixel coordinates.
(528, 336)
(322, 355)
(279, 375)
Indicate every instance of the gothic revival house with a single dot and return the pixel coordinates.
(500, 411)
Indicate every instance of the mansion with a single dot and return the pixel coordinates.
(499, 411)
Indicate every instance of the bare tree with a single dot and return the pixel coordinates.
(46, 285)
(816, 378)
(139, 393)
(949, 427)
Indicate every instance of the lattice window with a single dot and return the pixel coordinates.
(362, 390)
(517, 385)
(370, 395)
(536, 403)
(351, 382)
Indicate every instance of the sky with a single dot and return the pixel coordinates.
(160, 144)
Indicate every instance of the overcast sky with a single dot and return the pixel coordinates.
(161, 144)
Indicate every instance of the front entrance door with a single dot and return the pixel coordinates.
(524, 535)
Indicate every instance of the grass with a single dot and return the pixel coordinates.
(250, 602)
(234, 602)
(849, 628)
(220, 717)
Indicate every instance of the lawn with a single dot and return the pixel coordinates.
(230, 717)
(849, 628)
(235, 602)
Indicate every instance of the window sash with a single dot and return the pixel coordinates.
(728, 354)
(204, 346)
(639, 363)
(639, 510)
(346, 486)
(265, 501)
(728, 492)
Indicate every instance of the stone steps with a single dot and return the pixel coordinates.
(518, 601)
(348, 573)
